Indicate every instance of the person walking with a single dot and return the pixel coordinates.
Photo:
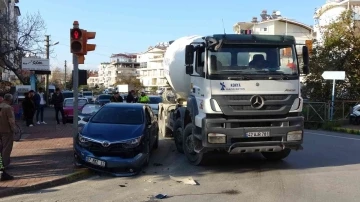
(130, 97)
(28, 106)
(144, 98)
(40, 104)
(116, 98)
(7, 130)
(58, 102)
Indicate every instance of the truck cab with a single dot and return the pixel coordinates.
(244, 97)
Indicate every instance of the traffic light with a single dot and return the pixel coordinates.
(76, 41)
(88, 47)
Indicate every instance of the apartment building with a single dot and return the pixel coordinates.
(121, 65)
(151, 71)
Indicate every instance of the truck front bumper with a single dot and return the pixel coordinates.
(242, 135)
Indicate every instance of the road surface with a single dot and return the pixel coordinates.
(326, 170)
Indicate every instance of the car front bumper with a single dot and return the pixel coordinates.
(116, 166)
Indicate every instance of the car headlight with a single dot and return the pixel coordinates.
(132, 142)
(83, 141)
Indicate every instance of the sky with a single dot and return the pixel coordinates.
(132, 26)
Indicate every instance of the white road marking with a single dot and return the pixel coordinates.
(348, 138)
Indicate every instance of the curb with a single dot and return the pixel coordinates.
(76, 176)
(344, 130)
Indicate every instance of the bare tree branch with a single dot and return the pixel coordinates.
(19, 37)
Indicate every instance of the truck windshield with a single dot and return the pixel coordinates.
(253, 60)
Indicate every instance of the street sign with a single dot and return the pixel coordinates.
(333, 75)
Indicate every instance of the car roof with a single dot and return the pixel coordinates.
(125, 105)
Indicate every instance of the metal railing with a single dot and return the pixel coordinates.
(320, 111)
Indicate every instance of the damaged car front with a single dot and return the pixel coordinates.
(115, 140)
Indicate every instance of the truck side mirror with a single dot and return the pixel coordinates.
(189, 55)
(305, 53)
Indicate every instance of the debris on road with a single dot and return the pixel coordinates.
(187, 180)
(122, 185)
(161, 196)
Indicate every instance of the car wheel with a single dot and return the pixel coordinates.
(148, 152)
(156, 144)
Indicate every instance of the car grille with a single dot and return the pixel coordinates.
(116, 150)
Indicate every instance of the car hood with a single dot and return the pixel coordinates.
(112, 132)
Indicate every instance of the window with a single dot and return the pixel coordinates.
(265, 29)
(119, 115)
(90, 109)
(249, 59)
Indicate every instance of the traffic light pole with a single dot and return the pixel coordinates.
(76, 92)
(76, 89)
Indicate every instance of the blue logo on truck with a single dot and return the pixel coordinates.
(222, 84)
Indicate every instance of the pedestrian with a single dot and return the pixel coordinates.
(7, 130)
(28, 106)
(58, 102)
(144, 98)
(40, 104)
(130, 97)
(116, 98)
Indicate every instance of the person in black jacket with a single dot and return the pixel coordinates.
(28, 106)
(130, 97)
(58, 101)
(40, 103)
(116, 98)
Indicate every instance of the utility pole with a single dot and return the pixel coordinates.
(65, 76)
(47, 46)
(75, 80)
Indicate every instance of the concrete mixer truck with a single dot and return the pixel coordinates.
(234, 93)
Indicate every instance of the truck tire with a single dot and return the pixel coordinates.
(178, 136)
(194, 158)
(276, 156)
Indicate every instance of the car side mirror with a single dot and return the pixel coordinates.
(86, 119)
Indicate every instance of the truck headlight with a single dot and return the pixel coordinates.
(295, 135)
(132, 143)
(217, 138)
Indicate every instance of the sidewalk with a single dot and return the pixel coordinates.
(43, 158)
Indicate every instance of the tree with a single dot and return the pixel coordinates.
(130, 80)
(18, 38)
(56, 77)
(339, 50)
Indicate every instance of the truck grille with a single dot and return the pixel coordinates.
(240, 105)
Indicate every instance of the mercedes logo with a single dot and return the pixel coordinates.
(105, 144)
(257, 102)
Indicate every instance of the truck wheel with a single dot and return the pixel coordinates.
(178, 136)
(276, 156)
(196, 159)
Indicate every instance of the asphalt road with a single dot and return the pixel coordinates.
(326, 170)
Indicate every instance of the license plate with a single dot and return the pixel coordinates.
(95, 161)
(258, 134)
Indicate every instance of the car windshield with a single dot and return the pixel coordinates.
(155, 100)
(90, 109)
(70, 102)
(254, 59)
(104, 97)
(87, 94)
(68, 95)
(119, 115)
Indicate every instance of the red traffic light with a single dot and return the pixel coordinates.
(76, 34)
